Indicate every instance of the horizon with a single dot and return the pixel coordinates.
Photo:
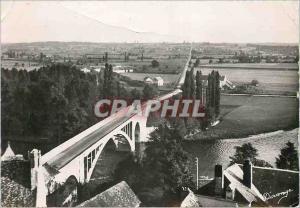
(164, 42)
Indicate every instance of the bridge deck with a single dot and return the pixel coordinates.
(67, 155)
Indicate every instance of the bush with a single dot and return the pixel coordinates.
(254, 82)
(154, 63)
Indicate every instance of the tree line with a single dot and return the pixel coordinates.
(287, 159)
(57, 101)
(207, 90)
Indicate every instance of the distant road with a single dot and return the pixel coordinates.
(260, 95)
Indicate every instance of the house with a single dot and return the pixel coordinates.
(122, 69)
(254, 186)
(119, 195)
(224, 82)
(195, 200)
(85, 70)
(148, 80)
(158, 81)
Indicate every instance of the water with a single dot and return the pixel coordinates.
(212, 152)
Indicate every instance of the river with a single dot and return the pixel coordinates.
(212, 152)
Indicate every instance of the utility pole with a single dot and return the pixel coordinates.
(197, 170)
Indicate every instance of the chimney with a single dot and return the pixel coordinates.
(218, 180)
(34, 158)
(247, 169)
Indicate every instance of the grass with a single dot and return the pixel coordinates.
(242, 116)
(270, 81)
(166, 66)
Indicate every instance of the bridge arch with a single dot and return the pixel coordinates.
(119, 142)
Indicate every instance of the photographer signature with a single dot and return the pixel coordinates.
(283, 194)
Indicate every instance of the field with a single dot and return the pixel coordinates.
(166, 66)
(278, 66)
(247, 115)
(270, 81)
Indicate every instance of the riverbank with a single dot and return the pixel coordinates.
(242, 116)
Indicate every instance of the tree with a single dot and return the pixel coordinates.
(135, 94)
(106, 57)
(150, 91)
(199, 85)
(247, 151)
(54, 102)
(166, 162)
(158, 176)
(154, 63)
(254, 82)
(192, 83)
(185, 87)
(197, 62)
(288, 158)
(217, 93)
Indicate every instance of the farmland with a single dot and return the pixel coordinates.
(271, 81)
(242, 116)
(271, 66)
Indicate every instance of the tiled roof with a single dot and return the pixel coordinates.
(208, 201)
(190, 200)
(270, 186)
(120, 195)
(280, 186)
(15, 195)
(158, 79)
(235, 175)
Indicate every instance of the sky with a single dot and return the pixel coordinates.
(197, 21)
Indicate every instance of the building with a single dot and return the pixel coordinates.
(119, 195)
(196, 200)
(158, 81)
(254, 186)
(121, 69)
(148, 80)
(224, 82)
(85, 70)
